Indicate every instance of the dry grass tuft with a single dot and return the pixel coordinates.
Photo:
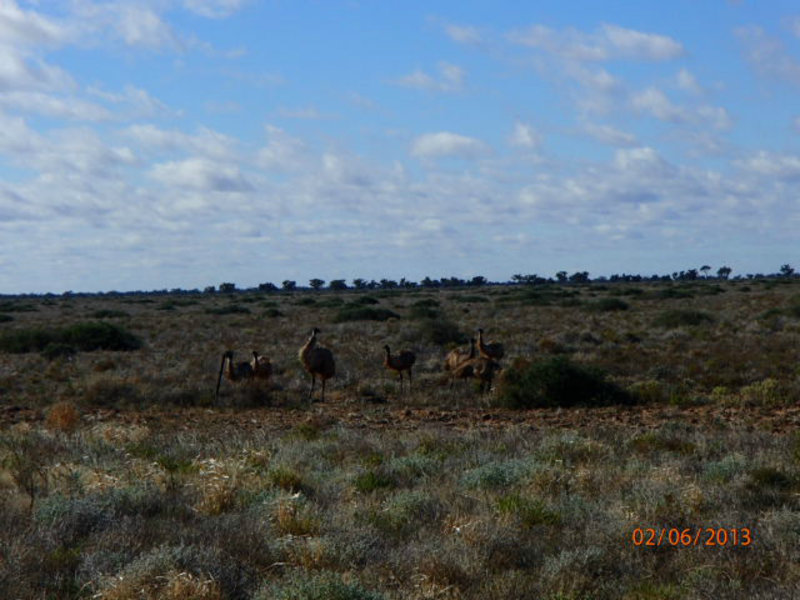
(62, 416)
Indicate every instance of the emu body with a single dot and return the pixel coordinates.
(491, 350)
(261, 365)
(399, 363)
(240, 371)
(317, 361)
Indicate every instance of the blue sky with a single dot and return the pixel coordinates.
(183, 143)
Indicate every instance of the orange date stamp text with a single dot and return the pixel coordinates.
(692, 536)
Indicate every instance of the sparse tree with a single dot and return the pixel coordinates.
(579, 277)
(227, 288)
(429, 283)
(705, 269)
(787, 270)
(359, 283)
(267, 287)
(289, 285)
(209, 289)
(388, 284)
(337, 284)
(724, 272)
(561, 276)
(477, 281)
(316, 283)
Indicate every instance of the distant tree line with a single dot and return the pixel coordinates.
(786, 271)
(561, 277)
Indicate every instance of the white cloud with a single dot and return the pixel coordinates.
(214, 9)
(656, 103)
(463, 34)
(53, 106)
(450, 79)
(781, 166)
(282, 152)
(205, 143)
(309, 113)
(135, 24)
(610, 135)
(27, 28)
(201, 174)
(443, 143)
(18, 72)
(525, 136)
(767, 55)
(631, 44)
(610, 42)
(687, 82)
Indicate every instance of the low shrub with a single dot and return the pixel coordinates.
(85, 337)
(439, 331)
(608, 305)
(232, 309)
(6, 318)
(556, 382)
(364, 313)
(107, 313)
(670, 319)
(325, 585)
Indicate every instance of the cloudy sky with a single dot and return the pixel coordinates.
(157, 144)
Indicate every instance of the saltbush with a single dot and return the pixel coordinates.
(556, 382)
(364, 313)
(85, 337)
(671, 319)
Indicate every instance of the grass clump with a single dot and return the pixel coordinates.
(364, 313)
(372, 480)
(529, 511)
(671, 319)
(85, 337)
(325, 585)
(556, 382)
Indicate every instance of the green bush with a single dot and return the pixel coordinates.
(364, 313)
(55, 350)
(107, 313)
(556, 382)
(440, 331)
(608, 305)
(365, 300)
(231, 309)
(671, 319)
(81, 336)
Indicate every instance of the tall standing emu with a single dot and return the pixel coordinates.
(318, 361)
(401, 362)
(492, 350)
(240, 371)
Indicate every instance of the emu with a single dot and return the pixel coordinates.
(491, 350)
(318, 361)
(402, 362)
(261, 365)
(481, 368)
(457, 357)
(241, 371)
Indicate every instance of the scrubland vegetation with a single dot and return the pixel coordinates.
(620, 406)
